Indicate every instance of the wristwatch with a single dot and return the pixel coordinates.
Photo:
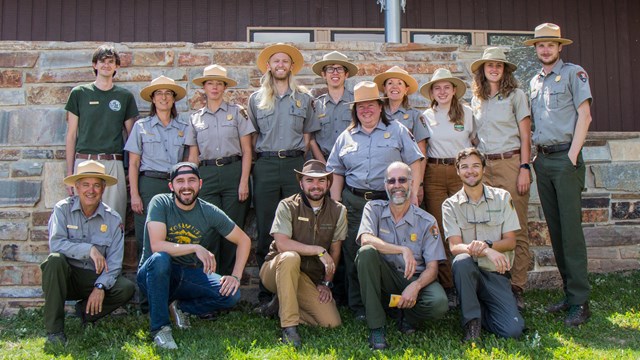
(99, 286)
(525, 166)
(489, 243)
(327, 283)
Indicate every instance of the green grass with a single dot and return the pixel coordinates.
(612, 333)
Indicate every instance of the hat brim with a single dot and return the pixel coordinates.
(148, 91)
(381, 98)
(412, 83)
(295, 55)
(71, 180)
(461, 87)
(476, 64)
(533, 41)
(318, 66)
(300, 174)
(203, 79)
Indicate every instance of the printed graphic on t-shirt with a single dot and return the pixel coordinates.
(184, 234)
(115, 105)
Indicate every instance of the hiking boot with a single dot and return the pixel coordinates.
(452, 298)
(164, 339)
(518, 293)
(405, 328)
(377, 339)
(269, 309)
(290, 336)
(179, 318)
(472, 330)
(578, 315)
(58, 338)
(561, 305)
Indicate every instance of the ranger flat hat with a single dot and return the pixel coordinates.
(547, 32)
(90, 169)
(295, 55)
(443, 74)
(396, 72)
(331, 58)
(492, 54)
(214, 72)
(162, 82)
(366, 91)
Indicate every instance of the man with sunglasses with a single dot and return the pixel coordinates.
(479, 223)
(399, 257)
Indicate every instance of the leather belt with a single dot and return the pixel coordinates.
(221, 161)
(281, 153)
(368, 194)
(550, 149)
(155, 174)
(100, 156)
(506, 155)
(444, 161)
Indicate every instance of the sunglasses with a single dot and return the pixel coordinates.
(400, 180)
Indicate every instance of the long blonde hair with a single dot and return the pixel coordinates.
(268, 90)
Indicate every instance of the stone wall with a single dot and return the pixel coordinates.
(36, 77)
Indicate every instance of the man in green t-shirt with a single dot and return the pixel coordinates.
(96, 115)
(177, 272)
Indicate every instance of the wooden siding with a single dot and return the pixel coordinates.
(606, 32)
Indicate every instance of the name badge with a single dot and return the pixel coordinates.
(73, 227)
(94, 102)
(321, 116)
(303, 218)
(103, 228)
(384, 231)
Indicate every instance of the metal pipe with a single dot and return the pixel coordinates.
(392, 21)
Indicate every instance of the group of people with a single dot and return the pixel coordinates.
(346, 224)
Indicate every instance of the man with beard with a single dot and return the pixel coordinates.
(560, 109)
(177, 272)
(399, 257)
(479, 223)
(308, 231)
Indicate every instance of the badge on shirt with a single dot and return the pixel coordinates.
(434, 232)
(387, 135)
(72, 227)
(229, 117)
(103, 228)
(582, 76)
(414, 237)
(303, 218)
(180, 133)
(298, 103)
(94, 102)
(384, 231)
(320, 116)
(406, 116)
(458, 127)
(558, 78)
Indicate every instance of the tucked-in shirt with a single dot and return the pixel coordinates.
(497, 120)
(555, 98)
(445, 138)
(218, 134)
(333, 118)
(363, 158)
(489, 218)
(159, 147)
(417, 230)
(412, 119)
(282, 223)
(72, 234)
(283, 126)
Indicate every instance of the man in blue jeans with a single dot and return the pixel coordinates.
(177, 272)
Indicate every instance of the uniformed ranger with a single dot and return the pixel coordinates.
(560, 108)
(359, 160)
(219, 139)
(332, 109)
(282, 113)
(399, 257)
(480, 223)
(156, 144)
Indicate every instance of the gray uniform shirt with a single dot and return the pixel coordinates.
(282, 127)
(72, 235)
(488, 219)
(159, 147)
(218, 134)
(555, 98)
(417, 230)
(363, 158)
(497, 121)
(412, 119)
(333, 117)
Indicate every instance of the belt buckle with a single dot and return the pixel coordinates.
(543, 150)
(281, 156)
(217, 163)
(366, 195)
(101, 156)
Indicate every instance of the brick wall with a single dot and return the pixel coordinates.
(36, 77)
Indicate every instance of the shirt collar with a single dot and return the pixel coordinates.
(409, 217)
(76, 207)
(555, 70)
(462, 197)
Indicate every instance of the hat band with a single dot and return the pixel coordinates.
(547, 37)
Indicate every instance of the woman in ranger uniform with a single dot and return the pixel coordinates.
(219, 139)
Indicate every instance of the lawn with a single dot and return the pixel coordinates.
(612, 333)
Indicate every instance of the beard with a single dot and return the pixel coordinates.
(398, 196)
(187, 200)
(472, 184)
(550, 61)
(317, 196)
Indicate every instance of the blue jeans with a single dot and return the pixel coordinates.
(164, 281)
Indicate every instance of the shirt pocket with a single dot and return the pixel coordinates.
(298, 115)
(556, 94)
(100, 240)
(151, 144)
(202, 134)
(387, 150)
(265, 119)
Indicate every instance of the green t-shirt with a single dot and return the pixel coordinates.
(101, 115)
(204, 224)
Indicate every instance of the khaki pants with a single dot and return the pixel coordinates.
(297, 294)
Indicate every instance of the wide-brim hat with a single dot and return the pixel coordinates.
(443, 74)
(314, 169)
(214, 72)
(547, 32)
(296, 57)
(396, 73)
(493, 54)
(90, 169)
(163, 82)
(331, 58)
(366, 91)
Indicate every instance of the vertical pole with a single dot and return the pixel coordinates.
(392, 21)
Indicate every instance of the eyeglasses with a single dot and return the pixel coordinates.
(164, 93)
(337, 69)
(481, 213)
(400, 180)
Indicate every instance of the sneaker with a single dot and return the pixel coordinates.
(377, 339)
(578, 315)
(518, 293)
(452, 298)
(179, 318)
(561, 305)
(164, 339)
(290, 336)
(269, 309)
(58, 338)
(472, 330)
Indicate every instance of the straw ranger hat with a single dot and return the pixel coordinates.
(331, 58)
(92, 169)
(396, 73)
(547, 32)
(162, 82)
(269, 51)
(366, 91)
(314, 169)
(492, 54)
(443, 74)
(214, 72)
